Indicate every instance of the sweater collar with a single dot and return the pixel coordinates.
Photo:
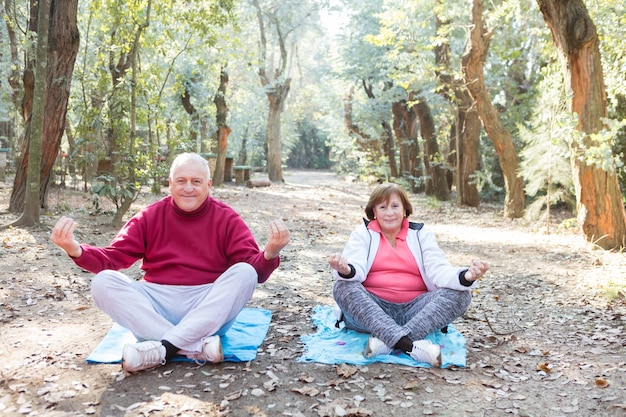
(191, 214)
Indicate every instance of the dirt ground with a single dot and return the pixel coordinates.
(545, 331)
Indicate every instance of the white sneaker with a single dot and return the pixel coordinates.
(427, 352)
(211, 351)
(375, 347)
(145, 355)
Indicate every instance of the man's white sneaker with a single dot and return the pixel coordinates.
(375, 347)
(211, 351)
(427, 352)
(144, 355)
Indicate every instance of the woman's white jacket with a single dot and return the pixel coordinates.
(436, 271)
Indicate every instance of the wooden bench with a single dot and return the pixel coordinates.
(228, 169)
(242, 173)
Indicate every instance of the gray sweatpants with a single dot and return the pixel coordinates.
(184, 315)
(367, 313)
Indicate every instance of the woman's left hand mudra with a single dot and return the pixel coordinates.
(476, 270)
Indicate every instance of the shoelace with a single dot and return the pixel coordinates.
(421, 353)
(149, 355)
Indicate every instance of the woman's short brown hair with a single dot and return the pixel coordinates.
(382, 193)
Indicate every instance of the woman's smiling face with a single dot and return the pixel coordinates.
(390, 214)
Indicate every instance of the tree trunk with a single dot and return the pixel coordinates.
(62, 50)
(191, 110)
(30, 215)
(362, 139)
(400, 125)
(276, 104)
(277, 87)
(14, 77)
(465, 133)
(473, 62)
(600, 209)
(437, 184)
(468, 124)
(123, 162)
(390, 149)
(415, 157)
(242, 157)
(223, 130)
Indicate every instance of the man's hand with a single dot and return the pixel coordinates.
(278, 239)
(63, 236)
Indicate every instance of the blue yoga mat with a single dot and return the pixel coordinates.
(331, 345)
(239, 344)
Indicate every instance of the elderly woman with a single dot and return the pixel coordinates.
(394, 282)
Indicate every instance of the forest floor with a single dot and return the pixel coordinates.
(545, 332)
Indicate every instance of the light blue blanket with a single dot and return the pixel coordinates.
(331, 345)
(239, 344)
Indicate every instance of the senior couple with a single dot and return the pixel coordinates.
(202, 265)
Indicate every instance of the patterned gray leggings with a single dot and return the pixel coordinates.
(367, 313)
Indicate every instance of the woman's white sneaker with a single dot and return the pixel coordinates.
(426, 352)
(375, 347)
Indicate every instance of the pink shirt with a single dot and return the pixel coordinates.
(394, 275)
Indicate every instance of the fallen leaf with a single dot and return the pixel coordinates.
(346, 371)
(602, 383)
(233, 396)
(310, 391)
(544, 366)
(411, 384)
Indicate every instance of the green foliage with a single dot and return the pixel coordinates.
(614, 291)
(609, 17)
(310, 151)
(598, 151)
(545, 164)
(112, 189)
(387, 46)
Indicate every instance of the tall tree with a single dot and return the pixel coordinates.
(126, 41)
(62, 49)
(14, 78)
(600, 209)
(473, 63)
(405, 129)
(276, 81)
(436, 184)
(465, 131)
(30, 215)
(362, 138)
(223, 130)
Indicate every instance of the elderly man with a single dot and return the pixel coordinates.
(201, 266)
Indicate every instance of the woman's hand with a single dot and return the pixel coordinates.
(339, 264)
(477, 270)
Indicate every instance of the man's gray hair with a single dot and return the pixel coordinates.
(183, 158)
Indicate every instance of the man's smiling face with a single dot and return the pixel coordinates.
(190, 185)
